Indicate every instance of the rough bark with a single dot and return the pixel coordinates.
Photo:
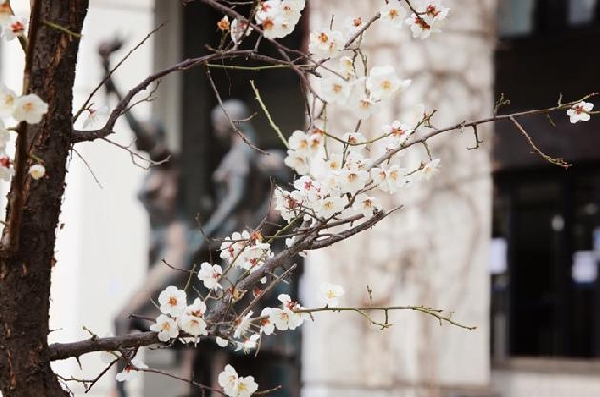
(34, 206)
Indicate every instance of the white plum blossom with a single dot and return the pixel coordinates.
(383, 83)
(29, 108)
(37, 171)
(396, 134)
(242, 325)
(360, 102)
(248, 344)
(193, 325)
(131, 370)
(289, 241)
(228, 379)
(6, 171)
(393, 13)
(231, 248)
(166, 327)
(234, 385)
(346, 67)
(355, 161)
(289, 204)
(210, 275)
(430, 169)
(580, 112)
(266, 325)
(326, 43)
(389, 178)
(7, 101)
(329, 206)
(431, 13)
(356, 141)
(278, 17)
(4, 136)
(221, 341)
(95, 116)
(253, 256)
(433, 9)
(297, 162)
(246, 386)
(366, 205)
(303, 143)
(334, 163)
(192, 319)
(279, 318)
(239, 30)
(330, 294)
(352, 25)
(292, 8)
(198, 308)
(286, 317)
(308, 187)
(333, 89)
(172, 301)
(15, 27)
(351, 181)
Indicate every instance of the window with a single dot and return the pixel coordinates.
(529, 17)
(548, 300)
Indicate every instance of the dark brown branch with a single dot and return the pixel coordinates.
(350, 232)
(60, 351)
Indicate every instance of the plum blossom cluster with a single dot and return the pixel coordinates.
(338, 179)
(246, 330)
(245, 250)
(429, 15)
(282, 318)
(177, 315)
(425, 18)
(276, 18)
(234, 385)
(343, 85)
(28, 108)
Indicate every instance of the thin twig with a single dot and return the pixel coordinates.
(110, 73)
(268, 114)
(557, 161)
(89, 168)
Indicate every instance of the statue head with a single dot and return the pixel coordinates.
(238, 113)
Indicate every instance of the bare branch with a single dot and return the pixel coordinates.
(60, 351)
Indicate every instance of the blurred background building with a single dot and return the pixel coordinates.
(503, 239)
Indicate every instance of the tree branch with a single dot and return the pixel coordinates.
(61, 351)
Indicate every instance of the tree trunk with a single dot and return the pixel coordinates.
(34, 206)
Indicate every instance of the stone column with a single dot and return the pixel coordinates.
(434, 251)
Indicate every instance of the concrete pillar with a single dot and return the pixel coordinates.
(434, 251)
